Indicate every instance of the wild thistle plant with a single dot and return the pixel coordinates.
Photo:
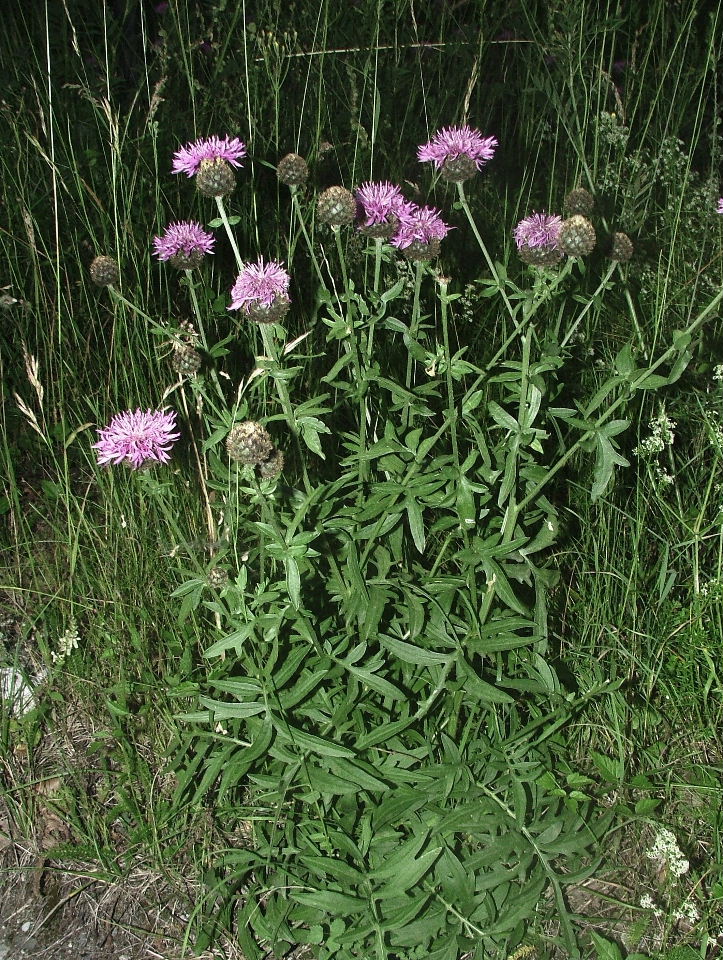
(377, 671)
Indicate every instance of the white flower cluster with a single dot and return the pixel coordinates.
(666, 850)
(687, 911)
(647, 902)
(662, 435)
(66, 644)
(612, 130)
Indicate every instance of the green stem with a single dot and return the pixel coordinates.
(199, 323)
(483, 248)
(452, 411)
(527, 315)
(642, 376)
(413, 331)
(119, 298)
(229, 232)
(285, 399)
(601, 286)
(354, 349)
(310, 246)
(377, 274)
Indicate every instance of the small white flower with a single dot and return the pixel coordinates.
(67, 643)
(666, 850)
(687, 911)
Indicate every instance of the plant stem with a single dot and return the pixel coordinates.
(229, 232)
(413, 330)
(642, 376)
(483, 248)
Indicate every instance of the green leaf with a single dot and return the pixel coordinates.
(379, 684)
(310, 436)
(330, 902)
(501, 417)
(416, 523)
(624, 363)
(610, 770)
(408, 874)
(411, 653)
(606, 950)
(293, 581)
(309, 742)
(646, 805)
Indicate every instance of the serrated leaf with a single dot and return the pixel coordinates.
(610, 770)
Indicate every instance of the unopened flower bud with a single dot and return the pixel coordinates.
(336, 206)
(104, 271)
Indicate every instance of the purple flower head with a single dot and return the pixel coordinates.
(538, 230)
(137, 438)
(184, 243)
(420, 225)
(379, 201)
(260, 285)
(720, 206)
(453, 142)
(188, 159)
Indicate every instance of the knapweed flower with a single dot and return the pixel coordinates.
(262, 291)
(379, 206)
(720, 206)
(137, 438)
(419, 232)
(188, 159)
(536, 237)
(184, 244)
(458, 152)
(211, 161)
